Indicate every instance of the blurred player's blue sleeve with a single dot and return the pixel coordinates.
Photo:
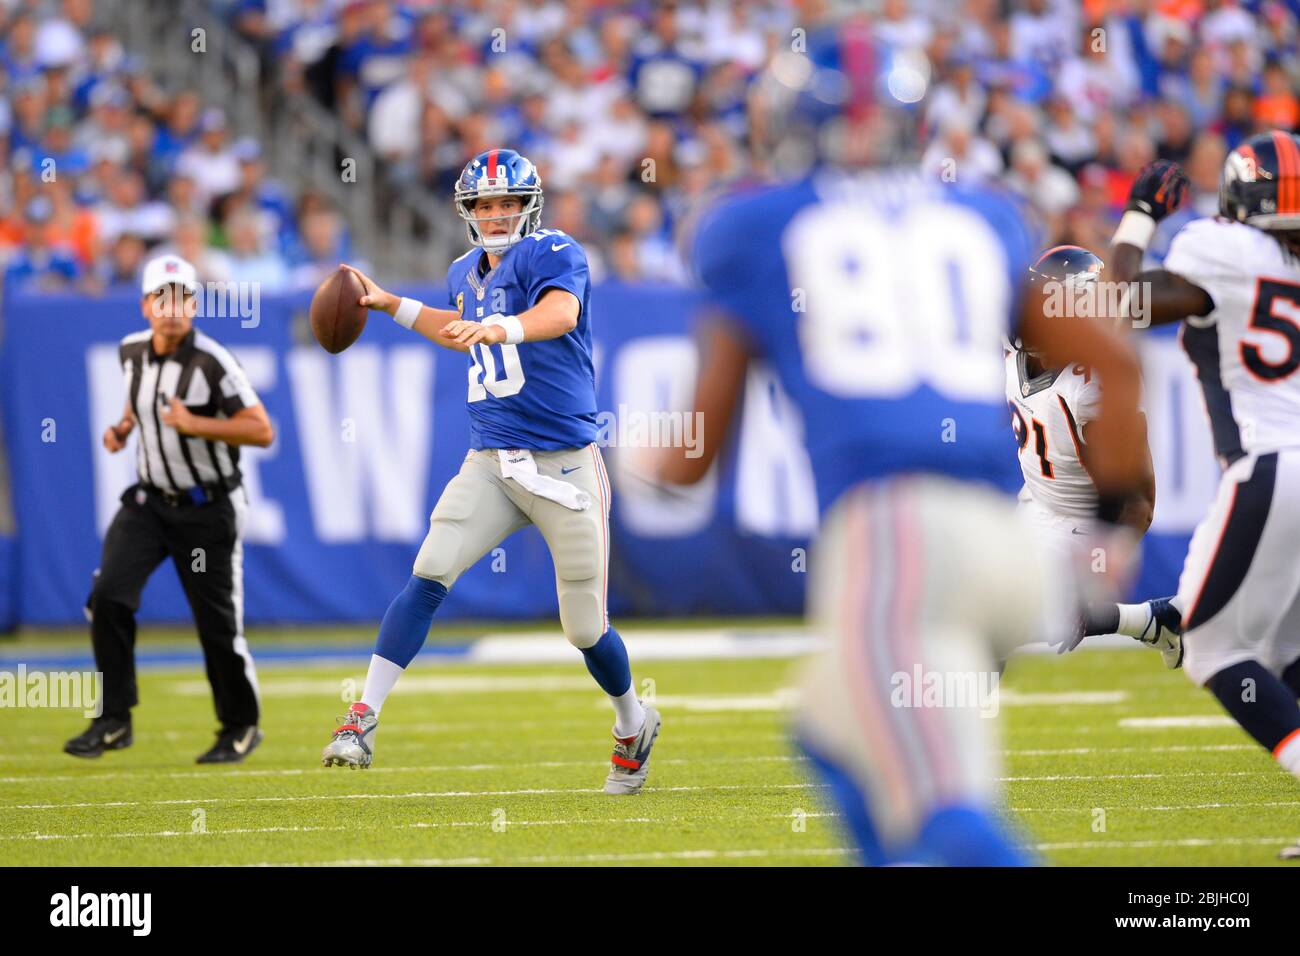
(722, 271)
(558, 262)
(1021, 239)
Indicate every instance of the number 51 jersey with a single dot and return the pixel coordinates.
(1247, 350)
(881, 301)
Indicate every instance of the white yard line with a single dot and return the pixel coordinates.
(423, 795)
(1234, 805)
(584, 858)
(787, 698)
(1141, 776)
(1013, 698)
(428, 768)
(1278, 841)
(784, 698)
(441, 683)
(668, 645)
(419, 825)
(1174, 749)
(1177, 723)
(38, 837)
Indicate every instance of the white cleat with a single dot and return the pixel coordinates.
(629, 764)
(1165, 632)
(354, 741)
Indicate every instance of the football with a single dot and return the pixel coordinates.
(336, 318)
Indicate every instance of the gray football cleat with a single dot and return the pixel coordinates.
(354, 741)
(1165, 632)
(628, 766)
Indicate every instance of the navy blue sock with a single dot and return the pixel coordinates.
(1291, 677)
(1268, 712)
(966, 836)
(607, 661)
(406, 622)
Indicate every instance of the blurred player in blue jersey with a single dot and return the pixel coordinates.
(881, 302)
(521, 312)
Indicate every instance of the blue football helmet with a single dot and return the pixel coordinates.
(500, 172)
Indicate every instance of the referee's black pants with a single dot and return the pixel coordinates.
(204, 544)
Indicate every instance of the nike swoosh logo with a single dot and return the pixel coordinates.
(1077, 531)
(565, 471)
(241, 748)
(115, 737)
(555, 248)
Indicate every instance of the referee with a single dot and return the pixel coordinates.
(194, 407)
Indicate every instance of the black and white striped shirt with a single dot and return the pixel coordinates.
(209, 382)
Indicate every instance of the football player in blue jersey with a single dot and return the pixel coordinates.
(881, 301)
(521, 312)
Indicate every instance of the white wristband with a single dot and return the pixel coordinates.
(514, 328)
(1135, 229)
(408, 310)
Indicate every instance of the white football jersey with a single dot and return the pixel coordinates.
(1048, 413)
(1247, 350)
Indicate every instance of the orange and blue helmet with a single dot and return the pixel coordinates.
(500, 172)
(1071, 266)
(1261, 182)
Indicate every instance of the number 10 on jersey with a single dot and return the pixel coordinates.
(483, 372)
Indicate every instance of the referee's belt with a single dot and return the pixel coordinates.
(197, 495)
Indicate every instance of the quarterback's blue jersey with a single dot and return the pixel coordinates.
(536, 395)
(881, 301)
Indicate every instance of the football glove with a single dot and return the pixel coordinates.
(1160, 188)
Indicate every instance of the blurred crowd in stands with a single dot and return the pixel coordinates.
(104, 167)
(635, 112)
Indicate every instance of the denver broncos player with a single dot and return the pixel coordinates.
(1234, 283)
(521, 313)
(1051, 409)
(881, 301)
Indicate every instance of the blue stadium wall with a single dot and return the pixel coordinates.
(367, 439)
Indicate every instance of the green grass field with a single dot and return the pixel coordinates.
(503, 764)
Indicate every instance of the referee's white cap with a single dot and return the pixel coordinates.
(169, 270)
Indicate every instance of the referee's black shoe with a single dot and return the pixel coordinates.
(104, 733)
(233, 745)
